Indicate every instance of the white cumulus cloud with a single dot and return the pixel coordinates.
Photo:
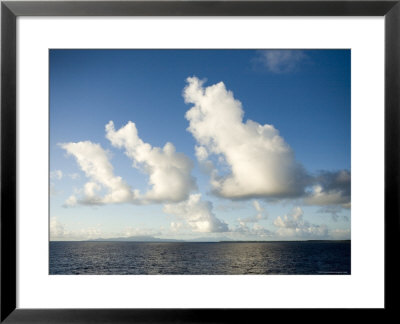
(94, 161)
(261, 163)
(197, 214)
(169, 171)
(72, 201)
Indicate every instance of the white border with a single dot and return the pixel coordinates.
(364, 288)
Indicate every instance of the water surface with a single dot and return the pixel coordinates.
(123, 258)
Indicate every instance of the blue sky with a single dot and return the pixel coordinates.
(285, 175)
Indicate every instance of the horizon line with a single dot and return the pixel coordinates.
(194, 241)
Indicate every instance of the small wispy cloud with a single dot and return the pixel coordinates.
(334, 211)
(59, 231)
(293, 225)
(280, 61)
(56, 174)
(261, 214)
(256, 231)
(74, 176)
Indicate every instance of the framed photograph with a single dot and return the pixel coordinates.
(163, 159)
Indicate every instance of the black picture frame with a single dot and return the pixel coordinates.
(10, 10)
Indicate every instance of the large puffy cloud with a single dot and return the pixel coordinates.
(197, 214)
(261, 163)
(94, 161)
(169, 171)
(293, 225)
(331, 188)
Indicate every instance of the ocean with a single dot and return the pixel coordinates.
(217, 258)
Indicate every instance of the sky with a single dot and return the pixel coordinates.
(200, 144)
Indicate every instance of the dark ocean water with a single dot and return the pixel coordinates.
(120, 258)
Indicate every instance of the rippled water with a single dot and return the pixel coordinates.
(120, 258)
